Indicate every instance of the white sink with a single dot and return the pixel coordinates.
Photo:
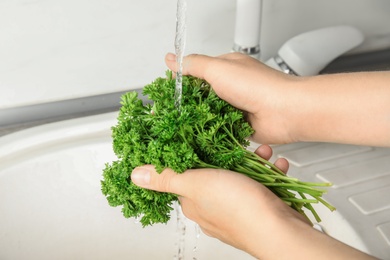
(51, 205)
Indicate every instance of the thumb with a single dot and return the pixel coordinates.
(147, 177)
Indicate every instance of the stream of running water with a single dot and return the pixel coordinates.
(180, 39)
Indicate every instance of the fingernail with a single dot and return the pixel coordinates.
(170, 56)
(140, 177)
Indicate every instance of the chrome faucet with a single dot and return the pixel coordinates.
(305, 54)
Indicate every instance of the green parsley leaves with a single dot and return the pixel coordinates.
(206, 133)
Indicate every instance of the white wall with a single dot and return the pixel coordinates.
(283, 19)
(61, 49)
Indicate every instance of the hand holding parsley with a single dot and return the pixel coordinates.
(206, 133)
(286, 109)
(245, 214)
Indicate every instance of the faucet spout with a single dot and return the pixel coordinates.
(247, 28)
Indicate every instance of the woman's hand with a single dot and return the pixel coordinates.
(351, 108)
(249, 85)
(229, 206)
(245, 214)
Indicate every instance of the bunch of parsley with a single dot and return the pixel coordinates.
(206, 133)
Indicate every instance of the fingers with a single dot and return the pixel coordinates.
(282, 164)
(197, 65)
(170, 60)
(193, 64)
(221, 72)
(265, 151)
(168, 181)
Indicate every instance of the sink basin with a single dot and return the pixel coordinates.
(51, 205)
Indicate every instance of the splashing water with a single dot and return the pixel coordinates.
(180, 38)
(197, 236)
(181, 231)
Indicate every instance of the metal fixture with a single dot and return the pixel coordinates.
(247, 28)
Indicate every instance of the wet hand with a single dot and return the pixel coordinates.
(249, 85)
(229, 206)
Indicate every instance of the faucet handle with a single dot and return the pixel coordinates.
(308, 53)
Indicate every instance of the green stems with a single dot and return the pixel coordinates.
(289, 189)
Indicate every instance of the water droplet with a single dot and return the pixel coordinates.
(137, 220)
(197, 231)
